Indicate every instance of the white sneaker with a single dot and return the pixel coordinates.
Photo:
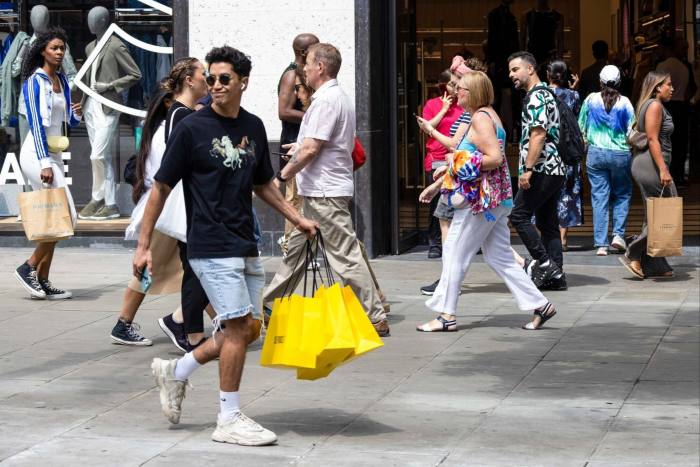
(602, 251)
(619, 243)
(242, 430)
(172, 391)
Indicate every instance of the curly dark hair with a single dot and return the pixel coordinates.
(34, 59)
(239, 61)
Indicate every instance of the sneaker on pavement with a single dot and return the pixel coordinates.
(382, 328)
(558, 283)
(429, 289)
(106, 213)
(619, 244)
(172, 391)
(529, 263)
(128, 334)
(242, 430)
(435, 252)
(602, 251)
(175, 331)
(542, 274)
(54, 293)
(91, 209)
(27, 276)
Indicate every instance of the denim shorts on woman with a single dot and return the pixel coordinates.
(234, 286)
(443, 211)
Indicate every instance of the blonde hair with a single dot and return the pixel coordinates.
(650, 87)
(175, 81)
(480, 89)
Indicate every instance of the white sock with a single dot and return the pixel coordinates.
(186, 366)
(177, 315)
(228, 405)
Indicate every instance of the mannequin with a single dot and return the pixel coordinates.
(113, 72)
(39, 18)
(543, 33)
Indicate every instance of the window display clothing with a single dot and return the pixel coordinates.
(115, 66)
(47, 111)
(544, 34)
(10, 86)
(502, 41)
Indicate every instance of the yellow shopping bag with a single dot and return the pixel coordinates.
(347, 311)
(282, 346)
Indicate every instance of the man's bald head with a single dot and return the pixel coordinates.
(302, 43)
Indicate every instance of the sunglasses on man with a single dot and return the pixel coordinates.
(224, 79)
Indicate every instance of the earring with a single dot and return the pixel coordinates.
(242, 86)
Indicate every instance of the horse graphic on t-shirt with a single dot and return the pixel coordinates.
(233, 156)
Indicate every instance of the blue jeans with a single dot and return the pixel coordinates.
(609, 173)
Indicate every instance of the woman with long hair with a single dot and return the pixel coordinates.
(650, 168)
(186, 82)
(48, 101)
(605, 120)
(482, 220)
(570, 205)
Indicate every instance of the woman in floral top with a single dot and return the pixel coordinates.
(478, 177)
(570, 205)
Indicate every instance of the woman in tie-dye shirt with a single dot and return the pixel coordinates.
(605, 119)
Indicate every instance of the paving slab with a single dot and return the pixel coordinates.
(613, 379)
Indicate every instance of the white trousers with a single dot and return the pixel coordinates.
(467, 234)
(101, 130)
(31, 168)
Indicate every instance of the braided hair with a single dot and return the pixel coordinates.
(175, 81)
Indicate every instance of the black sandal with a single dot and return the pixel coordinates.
(448, 325)
(545, 313)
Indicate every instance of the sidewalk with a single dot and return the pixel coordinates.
(612, 380)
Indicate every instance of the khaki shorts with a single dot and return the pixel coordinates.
(167, 267)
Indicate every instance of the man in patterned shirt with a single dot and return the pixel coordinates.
(542, 174)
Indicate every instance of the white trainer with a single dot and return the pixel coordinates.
(172, 391)
(602, 251)
(619, 243)
(242, 430)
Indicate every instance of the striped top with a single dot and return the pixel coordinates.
(465, 117)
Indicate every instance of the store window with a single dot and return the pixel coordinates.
(139, 21)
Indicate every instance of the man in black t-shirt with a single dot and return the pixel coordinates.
(221, 155)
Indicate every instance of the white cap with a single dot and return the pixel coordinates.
(610, 75)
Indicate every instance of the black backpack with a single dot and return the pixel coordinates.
(571, 147)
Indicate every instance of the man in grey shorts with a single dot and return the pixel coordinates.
(221, 155)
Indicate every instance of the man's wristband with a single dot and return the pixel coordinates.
(278, 176)
(528, 169)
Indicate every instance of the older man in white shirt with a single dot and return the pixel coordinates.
(322, 163)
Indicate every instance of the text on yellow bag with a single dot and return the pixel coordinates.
(46, 215)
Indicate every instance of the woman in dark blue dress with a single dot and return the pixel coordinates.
(570, 205)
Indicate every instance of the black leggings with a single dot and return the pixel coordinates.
(193, 297)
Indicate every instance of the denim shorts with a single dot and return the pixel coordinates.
(234, 286)
(443, 211)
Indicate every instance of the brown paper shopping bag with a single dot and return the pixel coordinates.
(665, 226)
(46, 215)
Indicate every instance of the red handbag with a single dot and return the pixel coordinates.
(359, 156)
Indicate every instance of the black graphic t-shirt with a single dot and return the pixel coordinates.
(218, 159)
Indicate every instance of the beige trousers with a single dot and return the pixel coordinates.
(293, 197)
(343, 250)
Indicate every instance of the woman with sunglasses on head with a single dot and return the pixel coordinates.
(650, 168)
(47, 99)
(482, 220)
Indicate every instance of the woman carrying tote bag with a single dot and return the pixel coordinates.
(650, 167)
(48, 102)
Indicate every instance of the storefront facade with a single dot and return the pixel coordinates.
(392, 52)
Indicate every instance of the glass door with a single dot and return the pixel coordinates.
(407, 173)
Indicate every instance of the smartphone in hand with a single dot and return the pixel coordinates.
(145, 280)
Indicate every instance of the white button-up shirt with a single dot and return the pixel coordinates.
(329, 118)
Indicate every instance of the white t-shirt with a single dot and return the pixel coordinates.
(330, 118)
(679, 77)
